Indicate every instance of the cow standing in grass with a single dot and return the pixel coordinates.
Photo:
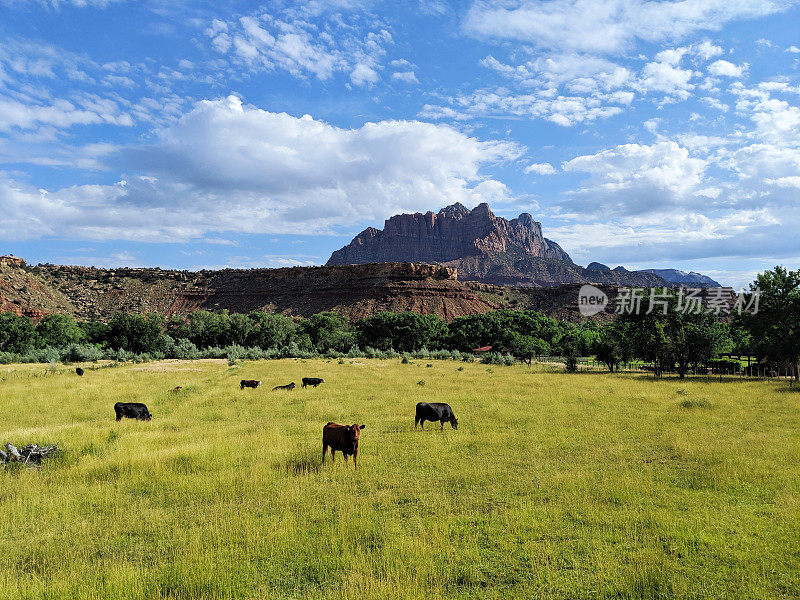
(343, 438)
(249, 383)
(132, 410)
(313, 381)
(434, 411)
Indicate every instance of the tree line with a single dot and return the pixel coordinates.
(520, 333)
(671, 340)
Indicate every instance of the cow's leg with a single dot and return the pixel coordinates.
(355, 464)
(324, 450)
(442, 425)
(416, 422)
(422, 424)
(333, 455)
(345, 459)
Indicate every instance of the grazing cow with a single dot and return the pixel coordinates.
(289, 387)
(434, 411)
(315, 381)
(343, 438)
(251, 383)
(132, 410)
(79, 371)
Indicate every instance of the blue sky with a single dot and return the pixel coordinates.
(213, 134)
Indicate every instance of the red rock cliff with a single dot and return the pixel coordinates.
(454, 232)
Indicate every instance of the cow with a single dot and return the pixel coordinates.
(343, 438)
(250, 383)
(79, 371)
(132, 410)
(434, 411)
(289, 387)
(177, 388)
(315, 381)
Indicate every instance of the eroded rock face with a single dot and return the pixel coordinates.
(454, 232)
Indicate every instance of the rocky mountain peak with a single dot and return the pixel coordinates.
(453, 233)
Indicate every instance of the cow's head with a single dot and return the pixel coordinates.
(454, 422)
(354, 431)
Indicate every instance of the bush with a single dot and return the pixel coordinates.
(82, 353)
(183, 349)
(571, 364)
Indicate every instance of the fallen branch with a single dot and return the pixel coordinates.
(30, 455)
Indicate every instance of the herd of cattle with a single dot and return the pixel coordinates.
(341, 438)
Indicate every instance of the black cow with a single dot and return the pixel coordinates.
(315, 381)
(343, 438)
(251, 383)
(132, 410)
(289, 387)
(79, 371)
(434, 411)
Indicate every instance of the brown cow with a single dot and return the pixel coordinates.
(343, 438)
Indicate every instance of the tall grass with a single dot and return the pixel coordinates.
(555, 485)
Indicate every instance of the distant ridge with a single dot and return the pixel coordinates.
(684, 278)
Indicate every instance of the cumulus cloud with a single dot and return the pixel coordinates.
(606, 26)
(540, 169)
(405, 76)
(637, 178)
(225, 166)
(723, 68)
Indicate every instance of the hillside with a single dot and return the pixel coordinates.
(89, 293)
(355, 291)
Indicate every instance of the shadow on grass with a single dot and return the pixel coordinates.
(304, 461)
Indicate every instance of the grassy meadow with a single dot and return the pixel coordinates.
(555, 485)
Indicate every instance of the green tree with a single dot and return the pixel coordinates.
(403, 332)
(94, 332)
(58, 331)
(271, 331)
(329, 331)
(775, 328)
(16, 333)
(671, 337)
(610, 346)
(137, 333)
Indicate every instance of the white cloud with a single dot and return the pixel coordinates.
(666, 75)
(306, 41)
(793, 49)
(606, 26)
(706, 50)
(225, 166)
(540, 169)
(723, 68)
(363, 75)
(405, 76)
(634, 178)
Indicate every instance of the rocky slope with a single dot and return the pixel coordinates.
(355, 291)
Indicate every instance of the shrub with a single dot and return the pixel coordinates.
(82, 353)
(571, 364)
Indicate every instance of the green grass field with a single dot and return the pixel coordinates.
(586, 485)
